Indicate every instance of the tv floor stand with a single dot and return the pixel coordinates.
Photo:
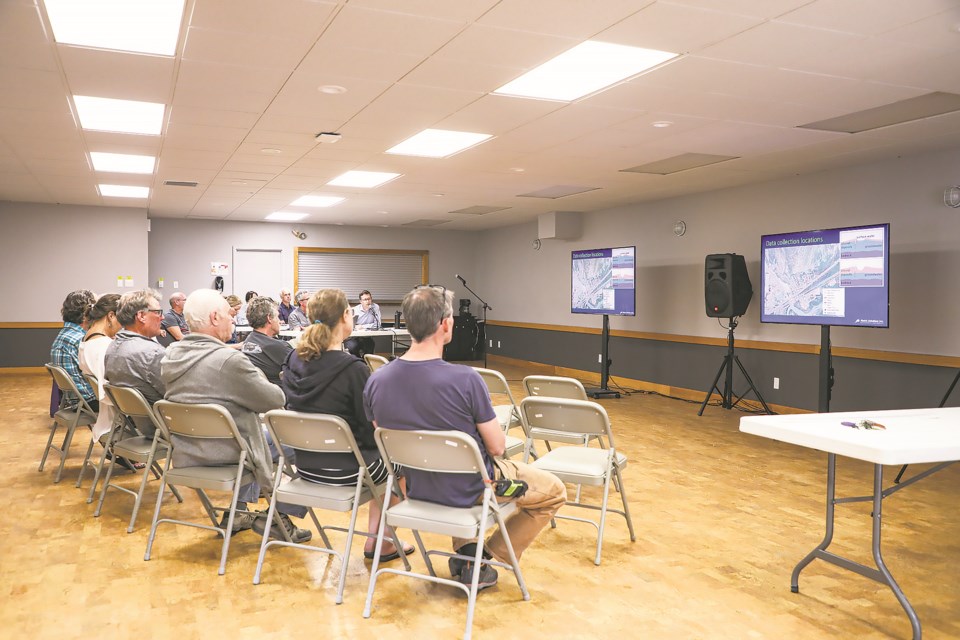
(726, 367)
(604, 391)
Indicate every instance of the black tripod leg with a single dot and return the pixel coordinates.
(746, 376)
(714, 387)
(953, 384)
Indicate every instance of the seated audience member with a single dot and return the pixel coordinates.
(286, 307)
(265, 350)
(65, 349)
(235, 305)
(103, 326)
(297, 320)
(366, 316)
(241, 317)
(420, 390)
(200, 369)
(319, 377)
(173, 324)
(132, 359)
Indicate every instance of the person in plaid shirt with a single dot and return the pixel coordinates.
(65, 350)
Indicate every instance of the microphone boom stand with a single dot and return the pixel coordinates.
(484, 309)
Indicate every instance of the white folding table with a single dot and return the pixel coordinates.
(912, 436)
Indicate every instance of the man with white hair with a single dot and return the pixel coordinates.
(286, 306)
(202, 369)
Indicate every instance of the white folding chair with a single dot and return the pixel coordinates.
(134, 447)
(317, 432)
(570, 421)
(374, 361)
(441, 452)
(507, 413)
(202, 421)
(68, 416)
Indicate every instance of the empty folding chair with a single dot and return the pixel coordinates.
(507, 413)
(319, 433)
(206, 421)
(374, 361)
(570, 421)
(441, 452)
(69, 416)
(134, 446)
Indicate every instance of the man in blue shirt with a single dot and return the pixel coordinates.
(65, 351)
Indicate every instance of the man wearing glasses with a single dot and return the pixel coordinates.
(297, 320)
(419, 390)
(133, 358)
(366, 317)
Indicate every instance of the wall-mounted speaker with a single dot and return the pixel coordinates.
(727, 288)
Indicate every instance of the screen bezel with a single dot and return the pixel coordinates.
(603, 312)
(829, 321)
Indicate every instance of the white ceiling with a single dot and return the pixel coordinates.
(247, 73)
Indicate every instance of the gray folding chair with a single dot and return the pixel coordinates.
(69, 416)
(441, 452)
(103, 440)
(554, 387)
(134, 447)
(374, 361)
(317, 432)
(507, 413)
(571, 421)
(202, 421)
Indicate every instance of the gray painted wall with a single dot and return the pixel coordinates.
(46, 251)
(533, 286)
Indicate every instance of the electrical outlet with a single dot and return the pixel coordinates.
(491, 344)
(776, 383)
(498, 344)
(176, 285)
(600, 358)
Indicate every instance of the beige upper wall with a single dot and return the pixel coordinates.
(46, 251)
(533, 286)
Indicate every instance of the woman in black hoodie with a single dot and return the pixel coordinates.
(320, 377)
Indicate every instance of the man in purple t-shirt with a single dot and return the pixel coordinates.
(422, 391)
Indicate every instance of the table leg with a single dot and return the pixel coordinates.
(828, 537)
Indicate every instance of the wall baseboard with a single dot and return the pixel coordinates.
(17, 371)
(642, 385)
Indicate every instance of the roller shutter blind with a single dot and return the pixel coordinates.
(388, 274)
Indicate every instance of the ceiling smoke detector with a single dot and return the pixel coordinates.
(327, 137)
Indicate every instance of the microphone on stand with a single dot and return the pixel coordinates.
(462, 281)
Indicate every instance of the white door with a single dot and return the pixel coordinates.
(259, 270)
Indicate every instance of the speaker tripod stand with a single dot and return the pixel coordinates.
(726, 370)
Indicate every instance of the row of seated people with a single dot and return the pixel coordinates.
(417, 391)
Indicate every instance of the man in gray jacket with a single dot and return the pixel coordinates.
(202, 369)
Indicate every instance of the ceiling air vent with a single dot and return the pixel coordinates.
(179, 183)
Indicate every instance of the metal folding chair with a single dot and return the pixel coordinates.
(507, 413)
(374, 361)
(103, 440)
(441, 452)
(68, 416)
(571, 421)
(202, 421)
(317, 432)
(134, 447)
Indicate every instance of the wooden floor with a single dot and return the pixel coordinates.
(721, 520)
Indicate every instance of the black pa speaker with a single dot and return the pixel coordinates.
(727, 289)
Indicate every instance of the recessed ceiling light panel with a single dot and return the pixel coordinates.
(587, 68)
(144, 26)
(363, 179)
(119, 116)
(438, 143)
(123, 191)
(317, 201)
(122, 162)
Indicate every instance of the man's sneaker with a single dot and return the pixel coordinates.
(488, 575)
(296, 535)
(241, 521)
(456, 566)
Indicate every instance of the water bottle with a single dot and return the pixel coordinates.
(396, 320)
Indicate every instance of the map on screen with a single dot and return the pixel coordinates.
(603, 281)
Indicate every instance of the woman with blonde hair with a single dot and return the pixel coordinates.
(320, 377)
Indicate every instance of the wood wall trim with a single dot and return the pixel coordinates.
(403, 252)
(594, 378)
(31, 325)
(19, 371)
(789, 347)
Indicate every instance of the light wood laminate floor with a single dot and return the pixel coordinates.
(721, 519)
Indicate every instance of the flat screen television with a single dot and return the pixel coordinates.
(603, 281)
(836, 277)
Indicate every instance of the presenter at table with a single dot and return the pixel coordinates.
(366, 316)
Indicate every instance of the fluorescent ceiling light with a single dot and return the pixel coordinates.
(365, 179)
(438, 143)
(119, 116)
(144, 26)
(317, 201)
(122, 162)
(286, 216)
(123, 191)
(587, 68)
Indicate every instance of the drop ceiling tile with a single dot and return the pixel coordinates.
(327, 60)
(182, 132)
(498, 114)
(31, 89)
(862, 16)
(755, 8)
(777, 44)
(30, 122)
(189, 158)
(298, 18)
(388, 31)
(21, 21)
(114, 74)
(459, 11)
(505, 47)
(18, 53)
(73, 166)
(122, 143)
(300, 97)
(274, 50)
(468, 75)
(204, 116)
